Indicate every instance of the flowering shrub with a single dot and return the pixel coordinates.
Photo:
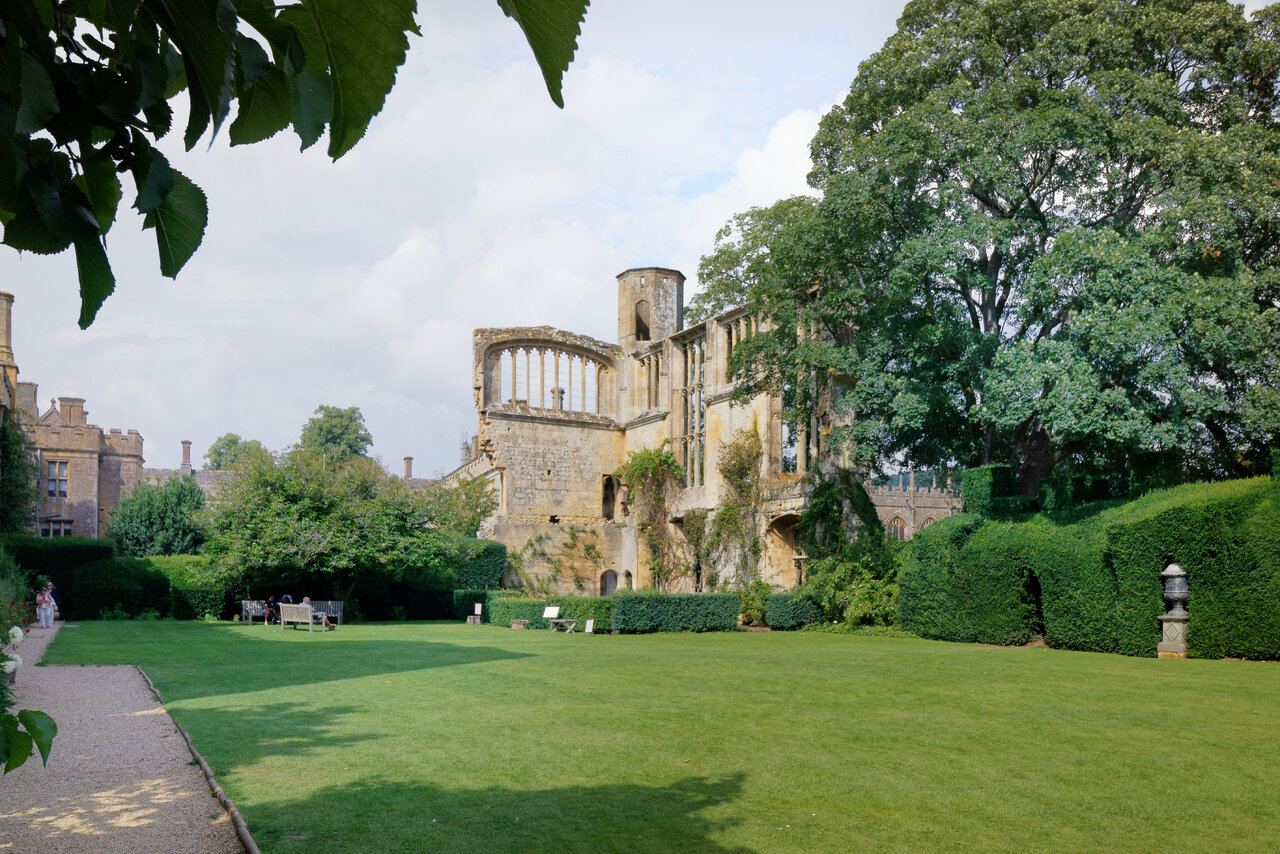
(28, 730)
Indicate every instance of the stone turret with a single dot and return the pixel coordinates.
(408, 468)
(650, 305)
(7, 364)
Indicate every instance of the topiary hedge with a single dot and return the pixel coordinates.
(1097, 580)
(791, 611)
(675, 612)
(984, 484)
(192, 595)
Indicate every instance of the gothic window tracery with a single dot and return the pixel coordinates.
(550, 379)
(693, 411)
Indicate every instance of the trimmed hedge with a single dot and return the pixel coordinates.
(1098, 579)
(583, 608)
(983, 485)
(791, 611)
(58, 558)
(503, 609)
(128, 584)
(481, 564)
(640, 612)
(191, 595)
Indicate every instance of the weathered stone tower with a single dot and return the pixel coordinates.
(650, 305)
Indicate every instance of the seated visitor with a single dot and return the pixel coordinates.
(270, 611)
(318, 616)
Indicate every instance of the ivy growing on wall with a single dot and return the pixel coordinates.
(652, 476)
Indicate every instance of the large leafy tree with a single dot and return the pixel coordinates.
(336, 434)
(1046, 233)
(300, 520)
(458, 508)
(159, 519)
(229, 450)
(17, 476)
(86, 89)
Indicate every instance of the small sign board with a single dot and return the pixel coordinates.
(478, 607)
(591, 627)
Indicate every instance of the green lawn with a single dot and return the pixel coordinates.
(444, 737)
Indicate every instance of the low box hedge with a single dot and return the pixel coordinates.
(791, 611)
(642, 612)
(503, 609)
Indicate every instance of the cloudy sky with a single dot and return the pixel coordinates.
(472, 202)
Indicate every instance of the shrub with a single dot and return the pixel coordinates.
(503, 609)
(984, 484)
(194, 593)
(480, 563)
(755, 600)
(675, 612)
(791, 611)
(583, 608)
(14, 586)
(123, 584)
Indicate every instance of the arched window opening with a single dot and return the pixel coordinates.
(549, 379)
(608, 582)
(897, 529)
(642, 320)
(608, 497)
(928, 520)
(626, 580)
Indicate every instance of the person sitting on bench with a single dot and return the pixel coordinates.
(318, 616)
(270, 613)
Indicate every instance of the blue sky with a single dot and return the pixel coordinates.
(473, 201)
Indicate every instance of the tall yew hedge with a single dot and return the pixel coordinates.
(1094, 584)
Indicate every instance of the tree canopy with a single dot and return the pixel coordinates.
(1046, 233)
(159, 519)
(86, 89)
(336, 434)
(17, 476)
(298, 519)
(229, 450)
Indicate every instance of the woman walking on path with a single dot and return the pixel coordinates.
(45, 606)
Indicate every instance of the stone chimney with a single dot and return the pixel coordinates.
(186, 456)
(72, 409)
(408, 467)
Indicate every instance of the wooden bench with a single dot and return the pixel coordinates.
(331, 608)
(251, 608)
(290, 613)
(552, 615)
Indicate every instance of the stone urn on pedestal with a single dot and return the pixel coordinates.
(1176, 592)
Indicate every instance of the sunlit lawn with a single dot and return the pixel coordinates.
(445, 737)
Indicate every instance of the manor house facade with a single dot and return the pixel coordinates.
(560, 412)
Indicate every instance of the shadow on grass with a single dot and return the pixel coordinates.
(277, 729)
(234, 664)
(397, 816)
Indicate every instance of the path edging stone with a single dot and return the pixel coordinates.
(237, 820)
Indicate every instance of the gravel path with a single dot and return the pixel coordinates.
(120, 777)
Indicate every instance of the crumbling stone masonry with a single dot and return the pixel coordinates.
(559, 412)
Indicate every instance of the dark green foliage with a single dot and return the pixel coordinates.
(1066, 488)
(791, 611)
(1098, 578)
(159, 519)
(480, 563)
(58, 559)
(984, 484)
(755, 599)
(193, 592)
(583, 608)
(641, 612)
(17, 476)
(1154, 470)
(502, 610)
(464, 603)
(125, 584)
(966, 580)
(1275, 463)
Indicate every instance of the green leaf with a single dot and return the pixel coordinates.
(15, 743)
(101, 185)
(265, 109)
(204, 33)
(552, 28)
(96, 279)
(27, 232)
(251, 60)
(311, 97)
(364, 42)
(37, 103)
(152, 175)
(179, 222)
(42, 729)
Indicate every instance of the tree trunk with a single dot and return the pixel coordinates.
(1033, 459)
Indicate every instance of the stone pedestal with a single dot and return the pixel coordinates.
(473, 620)
(1174, 642)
